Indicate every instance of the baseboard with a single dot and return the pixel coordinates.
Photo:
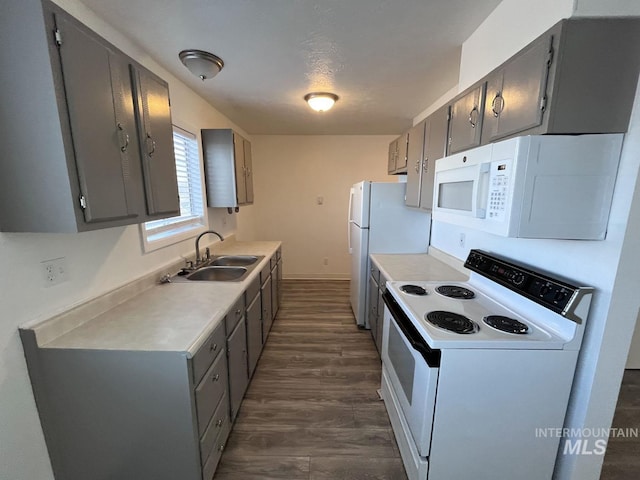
(316, 276)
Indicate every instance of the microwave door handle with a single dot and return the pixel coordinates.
(483, 190)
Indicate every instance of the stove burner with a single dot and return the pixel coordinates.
(452, 322)
(506, 324)
(413, 290)
(455, 291)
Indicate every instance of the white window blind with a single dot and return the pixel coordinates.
(192, 209)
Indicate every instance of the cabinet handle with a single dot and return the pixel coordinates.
(153, 145)
(497, 105)
(417, 166)
(471, 117)
(238, 312)
(213, 347)
(216, 377)
(221, 447)
(126, 138)
(425, 165)
(219, 423)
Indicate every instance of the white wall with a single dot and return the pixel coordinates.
(97, 262)
(290, 173)
(610, 266)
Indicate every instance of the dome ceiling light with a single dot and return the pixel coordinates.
(321, 101)
(202, 64)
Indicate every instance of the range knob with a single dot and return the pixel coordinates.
(559, 296)
(517, 278)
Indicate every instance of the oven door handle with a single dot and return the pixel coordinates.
(431, 356)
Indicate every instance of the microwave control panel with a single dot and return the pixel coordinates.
(499, 178)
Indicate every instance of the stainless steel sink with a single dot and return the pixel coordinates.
(235, 260)
(218, 274)
(225, 268)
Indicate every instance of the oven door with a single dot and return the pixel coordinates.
(412, 367)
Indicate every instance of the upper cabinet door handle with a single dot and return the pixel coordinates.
(153, 145)
(124, 147)
(497, 106)
(473, 117)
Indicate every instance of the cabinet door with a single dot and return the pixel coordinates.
(401, 158)
(238, 370)
(466, 120)
(156, 142)
(238, 154)
(254, 333)
(393, 153)
(100, 107)
(415, 150)
(516, 92)
(267, 314)
(274, 292)
(248, 165)
(380, 325)
(435, 148)
(372, 309)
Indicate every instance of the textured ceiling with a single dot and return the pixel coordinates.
(388, 60)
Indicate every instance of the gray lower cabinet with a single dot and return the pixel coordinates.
(228, 168)
(375, 307)
(148, 415)
(71, 149)
(275, 286)
(238, 366)
(267, 308)
(254, 333)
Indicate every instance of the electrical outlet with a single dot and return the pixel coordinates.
(462, 239)
(326, 261)
(54, 271)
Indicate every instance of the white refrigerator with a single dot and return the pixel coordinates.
(380, 222)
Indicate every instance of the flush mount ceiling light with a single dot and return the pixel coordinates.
(202, 64)
(321, 101)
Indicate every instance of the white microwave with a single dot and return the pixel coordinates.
(531, 187)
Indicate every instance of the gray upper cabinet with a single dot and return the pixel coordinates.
(228, 168)
(435, 147)
(516, 92)
(72, 156)
(427, 143)
(397, 161)
(466, 119)
(579, 77)
(415, 150)
(156, 141)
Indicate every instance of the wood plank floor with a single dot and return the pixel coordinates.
(622, 458)
(312, 411)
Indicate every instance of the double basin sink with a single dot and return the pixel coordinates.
(225, 268)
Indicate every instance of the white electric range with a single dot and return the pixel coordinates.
(472, 371)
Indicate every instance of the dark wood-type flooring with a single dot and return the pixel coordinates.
(312, 411)
(622, 458)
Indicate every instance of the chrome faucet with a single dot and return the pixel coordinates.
(198, 258)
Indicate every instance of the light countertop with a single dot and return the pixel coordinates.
(417, 266)
(167, 317)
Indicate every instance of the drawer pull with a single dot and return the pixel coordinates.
(213, 347)
(221, 447)
(216, 377)
(219, 423)
(238, 312)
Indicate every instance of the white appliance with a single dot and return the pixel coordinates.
(471, 370)
(531, 187)
(380, 222)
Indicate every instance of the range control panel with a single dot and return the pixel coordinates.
(552, 293)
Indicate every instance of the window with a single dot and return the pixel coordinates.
(160, 233)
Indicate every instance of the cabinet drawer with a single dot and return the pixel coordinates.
(201, 361)
(235, 314)
(213, 459)
(217, 424)
(210, 391)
